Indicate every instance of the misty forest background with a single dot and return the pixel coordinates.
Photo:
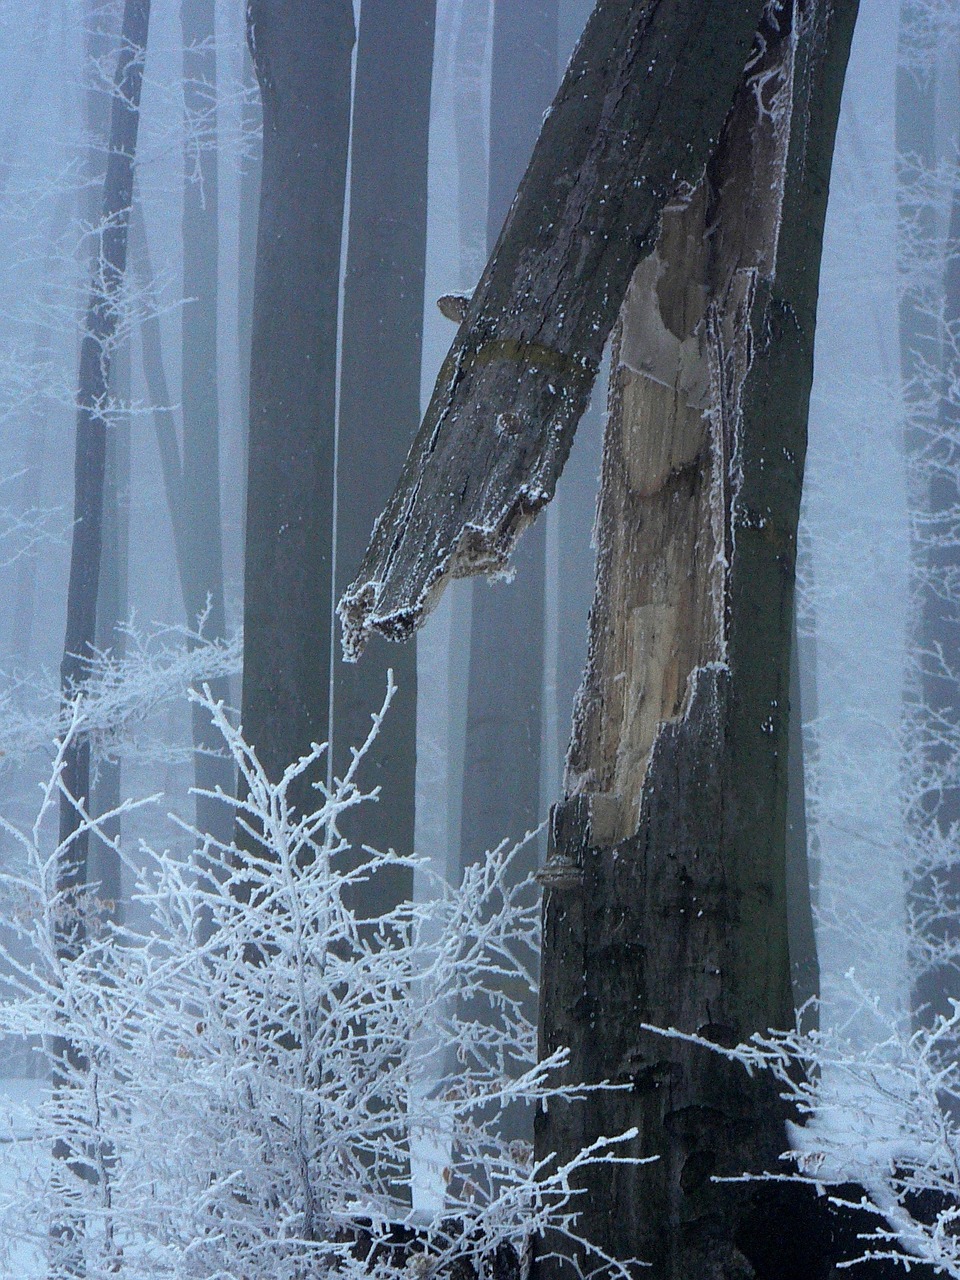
(446, 106)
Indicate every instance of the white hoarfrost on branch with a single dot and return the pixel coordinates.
(242, 1085)
(121, 696)
(884, 1119)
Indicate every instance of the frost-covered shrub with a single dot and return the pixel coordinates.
(243, 1080)
(882, 1117)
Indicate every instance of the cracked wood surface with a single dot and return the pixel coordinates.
(633, 124)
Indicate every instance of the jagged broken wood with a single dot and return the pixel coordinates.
(632, 126)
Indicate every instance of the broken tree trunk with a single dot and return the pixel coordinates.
(637, 115)
(665, 891)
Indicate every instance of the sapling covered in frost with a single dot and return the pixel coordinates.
(247, 1067)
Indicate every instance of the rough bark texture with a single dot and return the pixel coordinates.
(380, 395)
(301, 52)
(665, 893)
(519, 374)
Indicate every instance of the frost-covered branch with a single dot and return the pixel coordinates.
(120, 696)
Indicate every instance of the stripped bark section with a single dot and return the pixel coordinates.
(680, 360)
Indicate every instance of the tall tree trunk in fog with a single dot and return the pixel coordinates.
(504, 722)
(502, 762)
(932, 440)
(96, 351)
(682, 175)
(34, 451)
(112, 613)
(501, 772)
(380, 393)
(666, 887)
(203, 549)
(302, 55)
(95, 356)
(251, 127)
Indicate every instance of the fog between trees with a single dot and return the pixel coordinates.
(275, 342)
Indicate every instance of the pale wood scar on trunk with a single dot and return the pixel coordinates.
(680, 357)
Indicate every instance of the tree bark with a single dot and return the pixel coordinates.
(96, 351)
(380, 395)
(519, 374)
(113, 608)
(504, 724)
(501, 783)
(665, 891)
(302, 56)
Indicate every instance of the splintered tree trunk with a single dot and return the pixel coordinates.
(665, 890)
(380, 396)
(301, 52)
(649, 83)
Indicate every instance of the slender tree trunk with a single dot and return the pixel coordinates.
(34, 449)
(96, 352)
(203, 538)
(501, 783)
(302, 55)
(502, 754)
(95, 356)
(113, 610)
(380, 394)
(928, 342)
(251, 126)
(665, 891)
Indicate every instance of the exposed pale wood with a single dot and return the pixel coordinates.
(680, 361)
(519, 374)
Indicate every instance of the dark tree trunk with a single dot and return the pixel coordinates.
(380, 394)
(161, 407)
(519, 374)
(96, 351)
(202, 533)
(501, 768)
(95, 355)
(665, 892)
(251, 125)
(501, 776)
(112, 613)
(302, 55)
